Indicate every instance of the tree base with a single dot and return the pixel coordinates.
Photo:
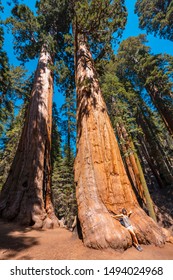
(106, 232)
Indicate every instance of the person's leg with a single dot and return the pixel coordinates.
(134, 239)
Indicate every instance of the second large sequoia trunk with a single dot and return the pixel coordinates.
(100, 177)
(26, 195)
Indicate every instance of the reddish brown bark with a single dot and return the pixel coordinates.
(130, 161)
(100, 177)
(26, 195)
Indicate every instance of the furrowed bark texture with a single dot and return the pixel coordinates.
(100, 177)
(26, 195)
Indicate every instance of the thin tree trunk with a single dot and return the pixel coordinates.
(26, 195)
(149, 202)
(155, 150)
(130, 161)
(167, 163)
(101, 181)
(135, 171)
(165, 112)
(151, 163)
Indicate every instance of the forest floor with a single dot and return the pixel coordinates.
(18, 243)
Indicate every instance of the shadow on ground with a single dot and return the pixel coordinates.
(13, 240)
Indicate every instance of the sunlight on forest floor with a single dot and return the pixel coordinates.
(17, 243)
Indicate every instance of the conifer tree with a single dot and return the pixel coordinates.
(156, 17)
(26, 194)
(9, 145)
(122, 103)
(147, 71)
(130, 102)
(64, 196)
(12, 83)
(63, 175)
(100, 177)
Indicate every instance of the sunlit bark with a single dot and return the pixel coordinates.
(26, 195)
(101, 180)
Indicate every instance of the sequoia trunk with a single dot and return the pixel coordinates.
(26, 195)
(100, 177)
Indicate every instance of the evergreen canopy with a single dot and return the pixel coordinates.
(32, 30)
(102, 21)
(156, 17)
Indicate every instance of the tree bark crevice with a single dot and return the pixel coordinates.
(101, 181)
(22, 198)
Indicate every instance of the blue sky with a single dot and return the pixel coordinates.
(157, 45)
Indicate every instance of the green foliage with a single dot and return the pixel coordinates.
(64, 191)
(156, 17)
(121, 84)
(12, 85)
(56, 135)
(100, 17)
(102, 21)
(145, 70)
(31, 31)
(10, 143)
(121, 99)
(62, 176)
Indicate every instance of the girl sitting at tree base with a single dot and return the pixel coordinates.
(125, 221)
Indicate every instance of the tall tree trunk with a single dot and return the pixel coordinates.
(26, 195)
(135, 170)
(165, 111)
(149, 202)
(150, 162)
(100, 177)
(130, 161)
(155, 150)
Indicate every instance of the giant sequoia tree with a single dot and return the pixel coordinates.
(122, 102)
(26, 194)
(101, 181)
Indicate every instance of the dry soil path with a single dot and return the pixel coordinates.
(17, 243)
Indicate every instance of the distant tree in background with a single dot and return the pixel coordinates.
(63, 188)
(156, 17)
(12, 83)
(148, 72)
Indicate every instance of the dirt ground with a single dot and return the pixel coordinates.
(17, 243)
